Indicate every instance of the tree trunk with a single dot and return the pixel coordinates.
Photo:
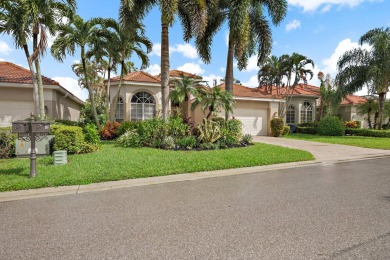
(165, 70)
(108, 107)
(90, 90)
(41, 99)
(369, 119)
(115, 100)
(381, 102)
(33, 78)
(229, 77)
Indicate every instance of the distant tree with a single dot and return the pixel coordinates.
(331, 96)
(368, 108)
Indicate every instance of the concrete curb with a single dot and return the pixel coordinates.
(77, 189)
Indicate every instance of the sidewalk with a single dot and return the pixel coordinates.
(324, 153)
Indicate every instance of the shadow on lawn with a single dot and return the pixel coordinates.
(13, 171)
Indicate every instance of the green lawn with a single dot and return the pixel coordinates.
(360, 141)
(115, 163)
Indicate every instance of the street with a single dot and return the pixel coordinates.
(326, 211)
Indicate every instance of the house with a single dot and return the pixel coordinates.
(16, 96)
(140, 99)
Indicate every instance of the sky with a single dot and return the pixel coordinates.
(322, 30)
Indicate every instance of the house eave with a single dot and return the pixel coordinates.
(136, 83)
(259, 99)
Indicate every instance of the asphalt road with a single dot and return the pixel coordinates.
(328, 211)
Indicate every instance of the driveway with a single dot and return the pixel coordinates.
(325, 152)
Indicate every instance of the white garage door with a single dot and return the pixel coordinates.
(254, 125)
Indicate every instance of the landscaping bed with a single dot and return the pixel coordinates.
(116, 163)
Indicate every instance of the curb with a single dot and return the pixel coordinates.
(103, 186)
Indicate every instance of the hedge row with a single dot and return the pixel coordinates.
(367, 132)
(306, 130)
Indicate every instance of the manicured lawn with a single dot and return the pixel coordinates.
(360, 141)
(115, 163)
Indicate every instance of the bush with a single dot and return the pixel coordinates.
(367, 132)
(128, 125)
(7, 143)
(69, 138)
(168, 143)
(306, 130)
(89, 148)
(129, 139)
(91, 134)
(247, 139)
(277, 127)
(109, 131)
(186, 143)
(352, 124)
(286, 130)
(231, 129)
(67, 122)
(209, 146)
(331, 126)
(309, 124)
(208, 132)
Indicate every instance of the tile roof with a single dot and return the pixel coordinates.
(13, 73)
(242, 91)
(353, 100)
(138, 76)
(179, 73)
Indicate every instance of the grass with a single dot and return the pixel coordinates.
(116, 163)
(360, 141)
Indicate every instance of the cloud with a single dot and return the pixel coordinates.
(193, 68)
(252, 64)
(222, 69)
(4, 48)
(154, 69)
(156, 49)
(227, 38)
(210, 79)
(72, 86)
(314, 5)
(293, 25)
(252, 82)
(187, 50)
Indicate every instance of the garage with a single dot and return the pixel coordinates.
(253, 115)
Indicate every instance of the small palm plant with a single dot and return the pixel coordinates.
(182, 90)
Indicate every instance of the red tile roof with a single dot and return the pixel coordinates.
(13, 73)
(353, 100)
(242, 91)
(138, 76)
(179, 73)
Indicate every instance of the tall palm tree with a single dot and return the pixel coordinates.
(249, 31)
(77, 33)
(192, 15)
(183, 89)
(273, 72)
(360, 67)
(127, 39)
(213, 100)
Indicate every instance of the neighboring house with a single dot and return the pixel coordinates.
(348, 109)
(16, 96)
(140, 99)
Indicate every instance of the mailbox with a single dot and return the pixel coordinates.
(40, 127)
(21, 126)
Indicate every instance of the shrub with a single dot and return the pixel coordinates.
(128, 125)
(152, 132)
(67, 122)
(187, 142)
(209, 146)
(227, 142)
(208, 132)
(231, 129)
(331, 126)
(88, 148)
(286, 130)
(7, 143)
(306, 130)
(247, 139)
(352, 124)
(277, 126)
(69, 138)
(367, 132)
(109, 131)
(129, 139)
(309, 124)
(168, 143)
(91, 134)
(176, 127)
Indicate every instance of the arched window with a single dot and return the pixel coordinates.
(307, 113)
(290, 115)
(142, 106)
(119, 115)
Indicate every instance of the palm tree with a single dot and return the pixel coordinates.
(249, 32)
(183, 89)
(360, 67)
(126, 39)
(192, 15)
(272, 73)
(368, 108)
(77, 33)
(331, 96)
(213, 100)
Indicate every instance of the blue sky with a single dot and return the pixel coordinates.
(320, 29)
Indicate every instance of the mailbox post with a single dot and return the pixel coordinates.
(31, 130)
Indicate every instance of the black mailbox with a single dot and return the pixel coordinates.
(21, 126)
(40, 127)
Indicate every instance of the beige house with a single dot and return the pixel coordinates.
(16, 96)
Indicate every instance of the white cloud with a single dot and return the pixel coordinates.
(187, 50)
(326, 8)
(210, 79)
(4, 48)
(227, 38)
(193, 68)
(313, 5)
(252, 82)
(252, 64)
(154, 69)
(222, 69)
(72, 86)
(2, 59)
(156, 49)
(293, 25)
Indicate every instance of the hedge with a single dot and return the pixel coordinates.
(69, 138)
(306, 130)
(367, 132)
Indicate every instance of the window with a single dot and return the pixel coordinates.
(307, 113)
(119, 115)
(142, 106)
(290, 115)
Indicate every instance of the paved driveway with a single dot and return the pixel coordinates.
(323, 151)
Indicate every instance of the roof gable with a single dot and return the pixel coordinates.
(180, 73)
(243, 91)
(138, 76)
(353, 100)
